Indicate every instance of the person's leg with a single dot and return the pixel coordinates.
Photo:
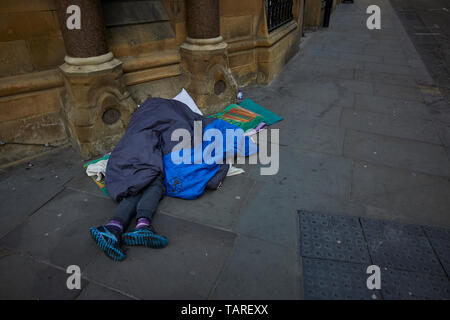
(108, 237)
(144, 234)
(148, 204)
(125, 211)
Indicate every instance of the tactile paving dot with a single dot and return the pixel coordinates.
(326, 279)
(332, 237)
(396, 285)
(440, 240)
(400, 246)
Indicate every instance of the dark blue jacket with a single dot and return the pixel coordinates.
(145, 151)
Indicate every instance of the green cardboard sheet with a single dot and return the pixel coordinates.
(239, 116)
(269, 117)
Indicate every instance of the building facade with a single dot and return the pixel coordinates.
(60, 85)
(316, 11)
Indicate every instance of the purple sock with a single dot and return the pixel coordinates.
(142, 222)
(115, 225)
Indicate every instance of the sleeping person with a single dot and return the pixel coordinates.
(144, 167)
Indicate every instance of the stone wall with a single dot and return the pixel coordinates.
(31, 89)
(255, 55)
(30, 37)
(314, 13)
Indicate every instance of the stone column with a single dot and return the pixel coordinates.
(97, 105)
(89, 41)
(203, 19)
(205, 58)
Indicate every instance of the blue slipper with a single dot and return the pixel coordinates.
(146, 237)
(108, 242)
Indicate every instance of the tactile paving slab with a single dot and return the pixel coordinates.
(405, 285)
(335, 280)
(440, 241)
(410, 257)
(400, 246)
(332, 237)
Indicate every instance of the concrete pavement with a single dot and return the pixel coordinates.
(365, 135)
(428, 25)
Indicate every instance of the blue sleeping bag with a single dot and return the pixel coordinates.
(146, 150)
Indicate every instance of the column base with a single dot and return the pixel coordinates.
(98, 108)
(89, 61)
(211, 84)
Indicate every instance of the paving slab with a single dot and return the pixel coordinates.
(269, 215)
(378, 179)
(387, 68)
(397, 92)
(421, 205)
(81, 182)
(308, 112)
(4, 252)
(388, 106)
(186, 269)
(422, 77)
(342, 48)
(316, 202)
(360, 57)
(219, 208)
(440, 241)
(329, 92)
(316, 72)
(399, 61)
(390, 125)
(26, 187)
(293, 110)
(438, 107)
(331, 279)
(404, 285)
(336, 280)
(308, 171)
(324, 236)
(26, 279)
(340, 63)
(444, 134)
(259, 270)
(59, 232)
(386, 78)
(419, 19)
(311, 136)
(387, 54)
(400, 246)
(396, 152)
(318, 52)
(96, 292)
(396, 53)
(428, 204)
(357, 86)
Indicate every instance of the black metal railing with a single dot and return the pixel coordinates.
(278, 12)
